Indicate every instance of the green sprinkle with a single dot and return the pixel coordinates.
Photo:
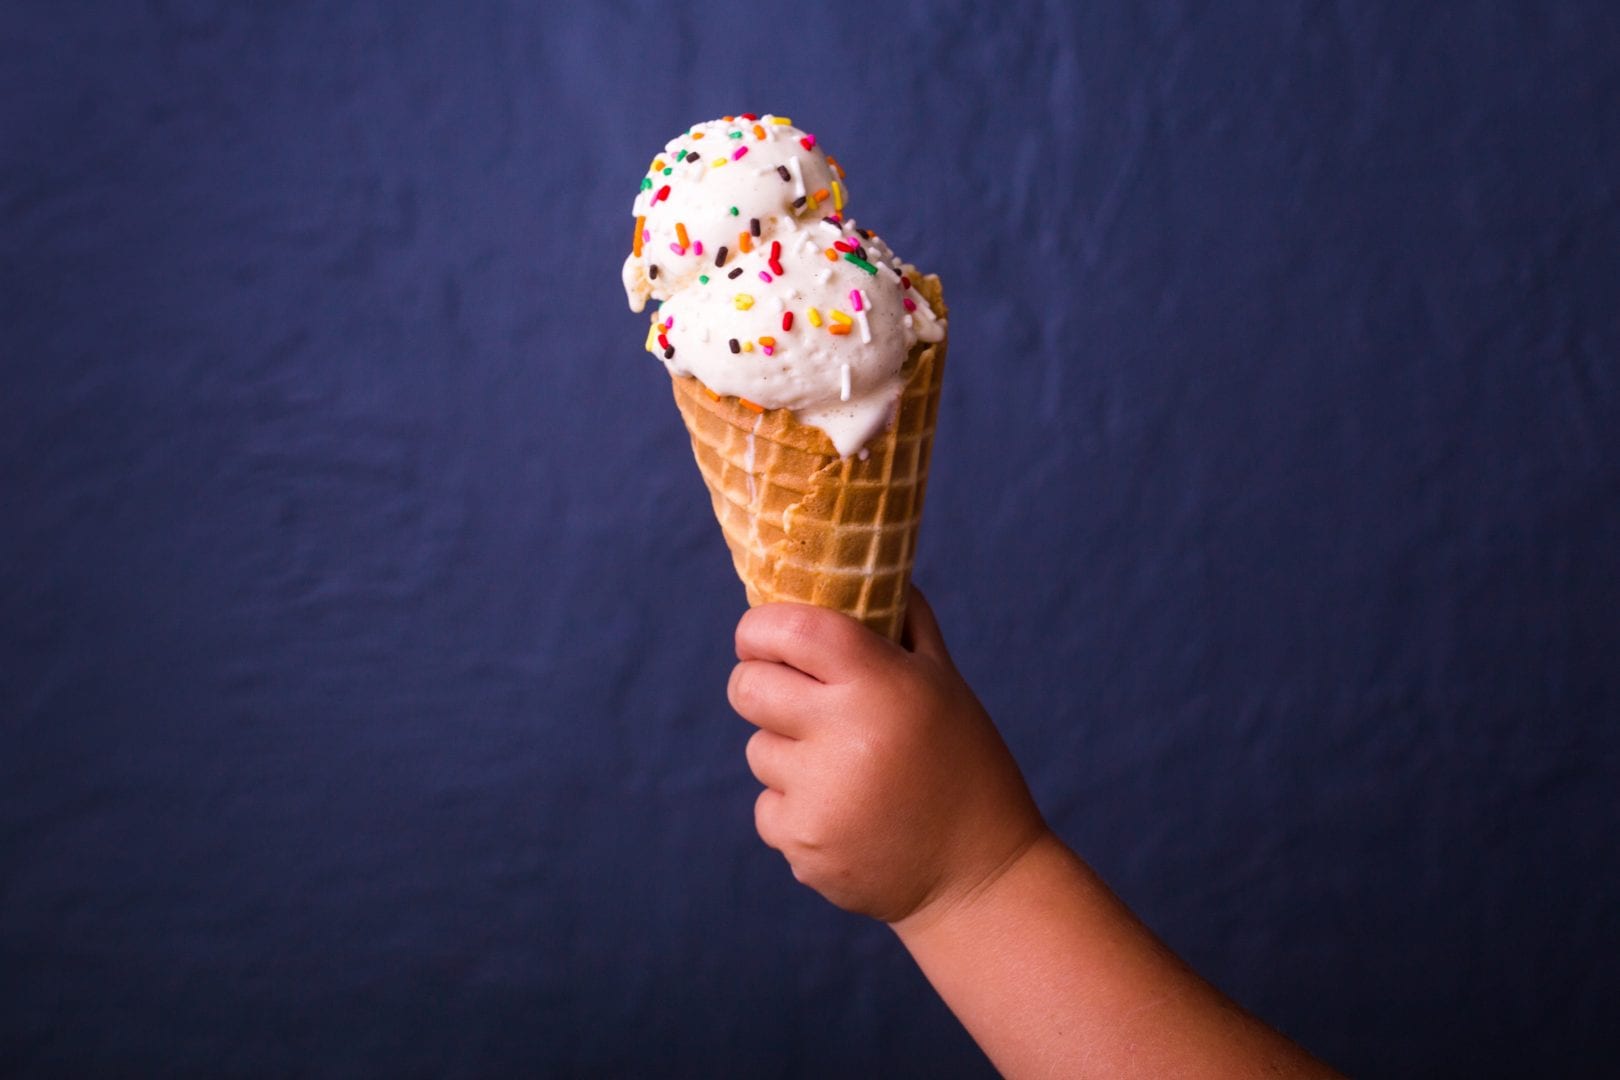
(736, 134)
(668, 169)
(681, 156)
(733, 211)
(704, 278)
(862, 263)
(646, 183)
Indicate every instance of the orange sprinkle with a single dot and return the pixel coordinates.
(658, 164)
(680, 235)
(832, 256)
(836, 167)
(821, 193)
(838, 328)
(767, 341)
(728, 119)
(749, 405)
(759, 132)
(745, 243)
(697, 134)
(712, 395)
(641, 227)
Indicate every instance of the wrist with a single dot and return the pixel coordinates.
(976, 893)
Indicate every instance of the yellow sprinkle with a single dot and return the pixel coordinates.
(743, 301)
(811, 199)
(658, 164)
(652, 338)
(838, 195)
(815, 317)
(780, 120)
(717, 162)
(748, 346)
(840, 317)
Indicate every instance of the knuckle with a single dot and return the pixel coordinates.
(742, 690)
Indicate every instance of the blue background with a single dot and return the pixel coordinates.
(364, 627)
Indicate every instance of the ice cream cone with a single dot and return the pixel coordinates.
(805, 524)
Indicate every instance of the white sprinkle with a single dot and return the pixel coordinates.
(843, 382)
(798, 177)
(866, 328)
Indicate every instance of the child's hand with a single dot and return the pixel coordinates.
(886, 785)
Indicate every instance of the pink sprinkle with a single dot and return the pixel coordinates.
(836, 218)
(646, 235)
(808, 142)
(910, 305)
(741, 150)
(855, 299)
(669, 322)
(769, 350)
(763, 276)
(677, 249)
(697, 247)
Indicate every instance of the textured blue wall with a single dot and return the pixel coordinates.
(363, 627)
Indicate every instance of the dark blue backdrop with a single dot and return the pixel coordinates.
(364, 629)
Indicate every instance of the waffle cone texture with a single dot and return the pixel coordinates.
(806, 525)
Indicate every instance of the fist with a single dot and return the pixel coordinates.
(887, 787)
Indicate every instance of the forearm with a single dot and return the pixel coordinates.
(1053, 976)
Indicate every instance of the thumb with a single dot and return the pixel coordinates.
(921, 634)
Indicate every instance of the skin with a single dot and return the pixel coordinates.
(889, 791)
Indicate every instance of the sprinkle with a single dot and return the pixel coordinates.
(781, 170)
(798, 176)
(753, 226)
(768, 350)
(838, 328)
(767, 340)
(641, 227)
(658, 164)
(733, 211)
(787, 320)
(814, 202)
(821, 194)
(840, 318)
(748, 346)
(750, 117)
(697, 134)
(843, 245)
(681, 156)
(776, 258)
(663, 193)
(798, 204)
(734, 346)
(743, 301)
(745, 403)
(759, 132)
(646, 183)
(832, 256)
(837, 167)
(680, 235)
(669, 169)
(669, 353)
(734, 134)
(866, 328)
(741, 150)
(843, 382)
(720, 256)
(735, 272)
(693, 156)
(910, 304)
(808, 142)
(763, 276)
(663, 341)
(717, 162)
(697, 247)
(776, 267)
(677, 249)
(712, 395)
(857, 299)
(838, 195)
(784, 121)
(862, 263)
(815, 317)
(652, 271)
(905, 282)
(652, 334)
(703, 279)
(744, 244)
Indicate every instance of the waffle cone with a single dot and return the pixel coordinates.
(806, 525)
